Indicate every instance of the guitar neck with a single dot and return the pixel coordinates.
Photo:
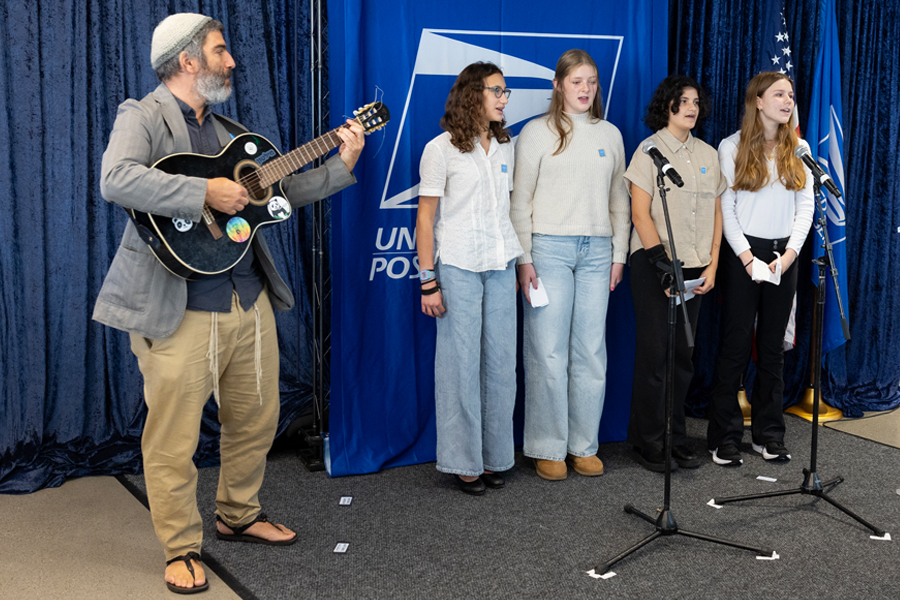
(279, 168)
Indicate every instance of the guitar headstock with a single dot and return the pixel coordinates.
(372, 116)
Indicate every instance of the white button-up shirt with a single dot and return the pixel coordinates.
(472, 229)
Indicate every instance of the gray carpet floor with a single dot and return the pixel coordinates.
(411, 534)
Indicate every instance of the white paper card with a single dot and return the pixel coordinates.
(761, 271)
(538, 296)
(597, 575)
(341, 548)
(772, 479)
(689, 285)
(346, 500)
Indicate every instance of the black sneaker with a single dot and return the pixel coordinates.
(653, 461)
(727, 456)
(685, 457)
(773, 451)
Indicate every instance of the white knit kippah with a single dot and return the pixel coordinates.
(173, 34)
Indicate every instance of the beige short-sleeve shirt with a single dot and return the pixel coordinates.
(692, 208)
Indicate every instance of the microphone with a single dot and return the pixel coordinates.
(802, 152)
(649, 147)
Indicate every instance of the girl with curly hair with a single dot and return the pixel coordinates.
(767, 211)
(570, 210)
(467, 249)
(677, 107)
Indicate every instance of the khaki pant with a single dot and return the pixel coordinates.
(177, 384)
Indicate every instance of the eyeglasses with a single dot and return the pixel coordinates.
(499, 91)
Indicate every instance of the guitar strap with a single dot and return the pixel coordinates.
(232, 127)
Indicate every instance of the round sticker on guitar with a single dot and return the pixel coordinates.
(238, 229)
(182, 225)
(250, 148)
(279, 208)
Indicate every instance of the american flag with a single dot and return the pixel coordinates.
(776, 49)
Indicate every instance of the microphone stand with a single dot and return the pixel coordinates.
(665, 523)
(811, 482)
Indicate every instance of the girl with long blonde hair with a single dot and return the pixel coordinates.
(571, 212)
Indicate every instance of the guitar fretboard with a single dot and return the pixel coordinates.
(279, 168)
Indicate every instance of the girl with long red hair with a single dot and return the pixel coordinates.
(767, 211)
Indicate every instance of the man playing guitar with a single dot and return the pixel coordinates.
(211, 336)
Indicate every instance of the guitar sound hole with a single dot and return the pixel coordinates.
(246, 174)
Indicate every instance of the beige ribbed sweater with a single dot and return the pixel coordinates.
(578, 192)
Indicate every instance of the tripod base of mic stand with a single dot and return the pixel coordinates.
(666, 525)
(812, 486)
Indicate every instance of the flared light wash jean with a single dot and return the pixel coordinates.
(475, 370)
(565, 346)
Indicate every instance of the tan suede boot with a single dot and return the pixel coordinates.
(589, 466)
(551, 470)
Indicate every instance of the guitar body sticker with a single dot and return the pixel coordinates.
(238, 229)
(279, 208)
(250, 148)
(182, 225)
(264, 157)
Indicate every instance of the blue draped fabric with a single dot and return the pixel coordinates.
(717, 42)
(864, 373)
(70, 391)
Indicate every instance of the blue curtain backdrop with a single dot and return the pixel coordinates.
(717, 42)
(70, 391)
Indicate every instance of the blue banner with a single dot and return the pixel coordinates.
(408, 55)
(825, 135)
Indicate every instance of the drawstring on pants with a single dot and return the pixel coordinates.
(213, 354)
(258, 352)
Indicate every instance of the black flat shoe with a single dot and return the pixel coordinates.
(475, 488)
(685, 458)
(653, 461)
(493, 480)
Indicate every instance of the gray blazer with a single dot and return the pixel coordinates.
(139, 295)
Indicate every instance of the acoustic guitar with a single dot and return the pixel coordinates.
(219, 241)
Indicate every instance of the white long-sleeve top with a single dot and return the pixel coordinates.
(772, 212)
(580, 191)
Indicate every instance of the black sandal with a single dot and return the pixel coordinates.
(238, 534)
(187, 558)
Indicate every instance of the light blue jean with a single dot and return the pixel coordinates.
(475, 370)
(565, 346)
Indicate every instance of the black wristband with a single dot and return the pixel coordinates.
(434, 290)
(749, 263)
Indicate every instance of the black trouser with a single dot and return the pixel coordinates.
(646, 427)
(770, 306)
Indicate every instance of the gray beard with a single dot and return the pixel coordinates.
(213, 87)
